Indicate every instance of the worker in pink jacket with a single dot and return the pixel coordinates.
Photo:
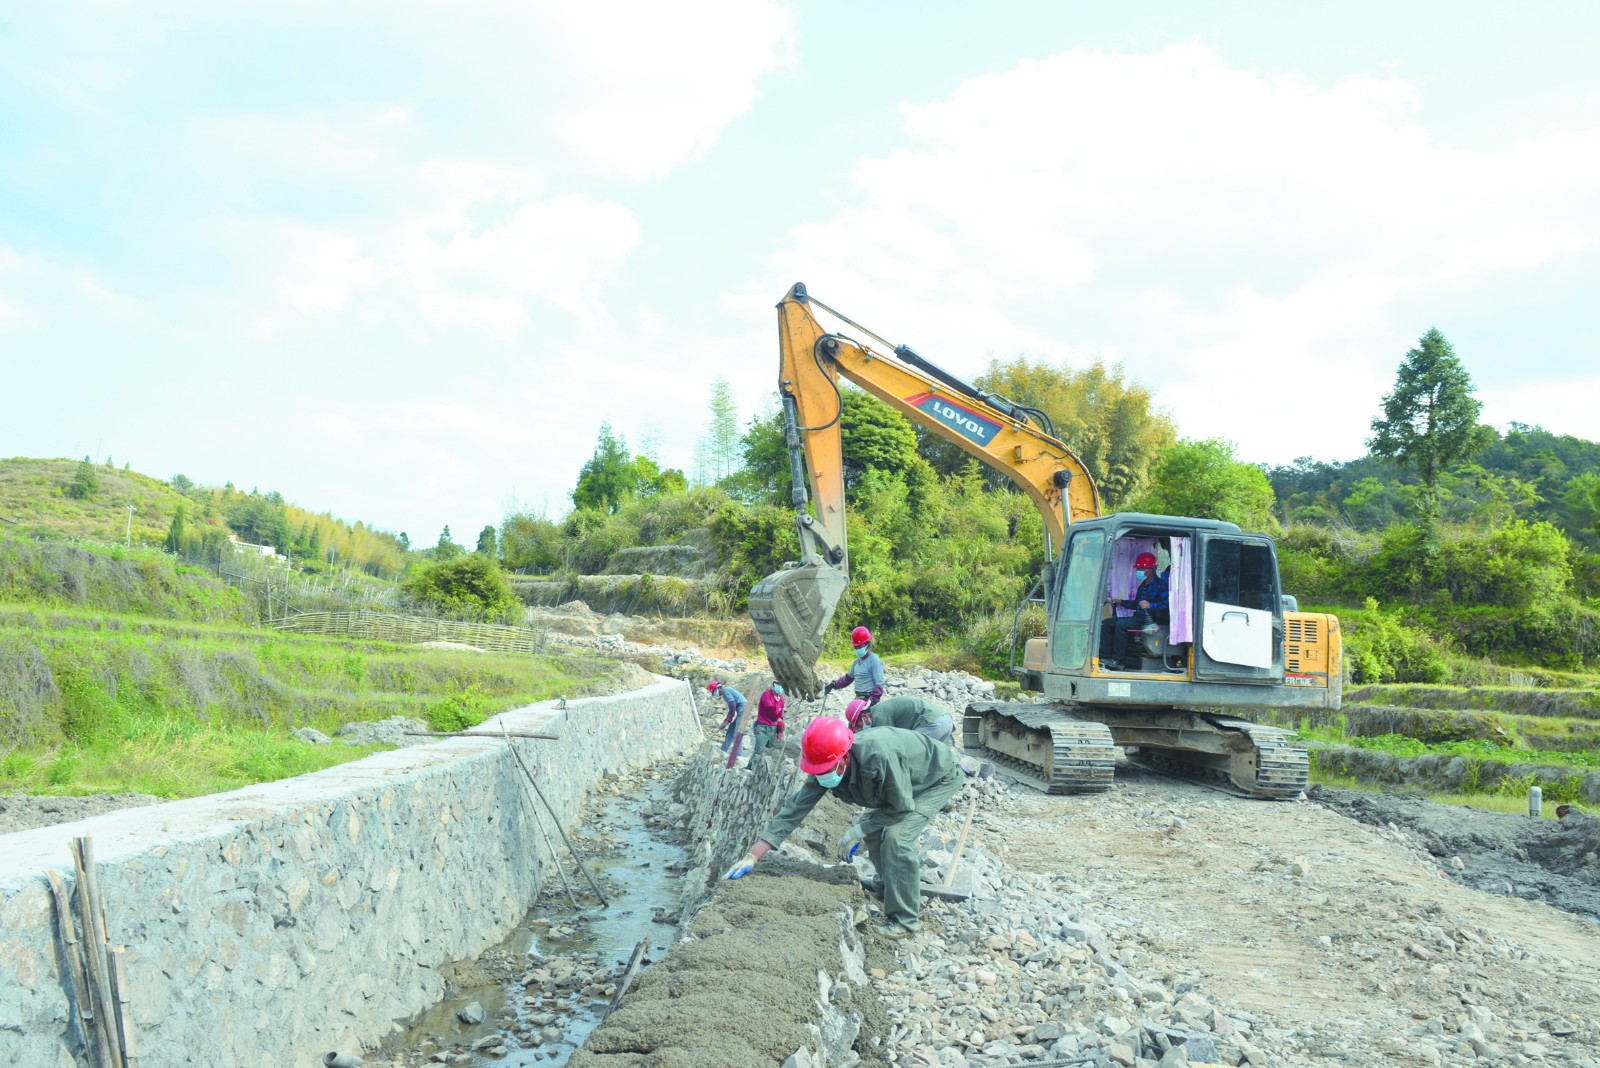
(769, 718)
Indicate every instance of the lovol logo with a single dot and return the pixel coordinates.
(963, 421)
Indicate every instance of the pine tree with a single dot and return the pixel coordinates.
(609, 477)
(174, 542)
(1430, 418)
(85, 483)
(486, 542)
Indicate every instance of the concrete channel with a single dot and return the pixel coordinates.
(273, 925)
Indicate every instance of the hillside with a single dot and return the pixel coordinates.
(35, 500)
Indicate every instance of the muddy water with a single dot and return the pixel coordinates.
(539, 1014)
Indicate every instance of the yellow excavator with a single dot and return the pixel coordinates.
(1233, 640)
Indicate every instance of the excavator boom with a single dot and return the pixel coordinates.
(792, 607)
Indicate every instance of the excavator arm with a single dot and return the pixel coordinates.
(792, 608)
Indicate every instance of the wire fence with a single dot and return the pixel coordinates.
(385, 627)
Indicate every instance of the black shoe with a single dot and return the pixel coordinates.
(873, 887)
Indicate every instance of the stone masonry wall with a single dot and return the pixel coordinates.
(270, 925)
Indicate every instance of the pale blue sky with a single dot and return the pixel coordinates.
(399, 260)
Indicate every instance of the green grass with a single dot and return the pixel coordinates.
(1488, 802)
(93, 703)
(1401, 745)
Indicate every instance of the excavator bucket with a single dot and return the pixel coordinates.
(791, 610)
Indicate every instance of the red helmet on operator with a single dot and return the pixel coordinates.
(860, 636)
(825, 741)
(714, 685)
(857, 714)
(1145, 562)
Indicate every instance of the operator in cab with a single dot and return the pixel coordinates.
(902, 779)
(1149, 604)
(866, 671)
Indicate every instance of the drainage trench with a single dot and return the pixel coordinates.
(539, 994)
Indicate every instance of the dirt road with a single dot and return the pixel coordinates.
(1345, 941)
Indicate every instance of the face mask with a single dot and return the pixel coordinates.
(830, 780)
(861, 652)
(777, 689)
(1143, 575)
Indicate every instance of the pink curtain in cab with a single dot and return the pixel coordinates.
(1180, 591)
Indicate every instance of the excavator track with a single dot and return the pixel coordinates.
(1042, 747)
(1060, 750)
(1269, 765)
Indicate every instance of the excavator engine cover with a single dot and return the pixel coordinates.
(791, 610)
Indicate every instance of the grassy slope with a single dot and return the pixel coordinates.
(126, 671)
(33, 501)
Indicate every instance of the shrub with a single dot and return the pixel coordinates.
(468, 587)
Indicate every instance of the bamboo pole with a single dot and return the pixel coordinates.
(555, 858)
(119, 992)
(93, 1042)
(481, 734)
(950, 876)
(93, 920)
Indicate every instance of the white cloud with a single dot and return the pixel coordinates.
(1242, 239)
(662, 80)
(331, 268)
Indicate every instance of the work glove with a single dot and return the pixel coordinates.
(741, 869)
(850, 841)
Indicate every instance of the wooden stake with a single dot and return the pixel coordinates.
(627, 976)
(119, 991)
(93, 920)
(950, 876)
(82, 1000)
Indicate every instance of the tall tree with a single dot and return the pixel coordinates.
(486, 542)
(84, 481)
(446, 549)
(719, 453)
(174, 542)
(1110, 422)
(1204, 480)
(609, 477)
(1430, 418)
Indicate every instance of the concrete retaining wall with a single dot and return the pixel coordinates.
(268, 926)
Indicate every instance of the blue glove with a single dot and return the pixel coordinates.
(741, 869)
(850, 841)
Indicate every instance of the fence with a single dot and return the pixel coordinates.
(383, 627)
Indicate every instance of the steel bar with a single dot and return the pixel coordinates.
(556, 819)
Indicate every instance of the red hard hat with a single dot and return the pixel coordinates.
(853, 713)
(714, 685)
(1145, 560)
(860, 636)
(826, 740)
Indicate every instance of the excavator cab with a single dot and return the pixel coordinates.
(1224, 622)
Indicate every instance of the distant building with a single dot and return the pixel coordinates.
(262, 550)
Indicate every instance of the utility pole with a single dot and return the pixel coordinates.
(130, 527)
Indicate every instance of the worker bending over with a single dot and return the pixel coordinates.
(906, 712)
(900, 777)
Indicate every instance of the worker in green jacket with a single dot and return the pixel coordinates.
(900, 777)
(906, 712)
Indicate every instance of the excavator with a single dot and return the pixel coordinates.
(1176, 701)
